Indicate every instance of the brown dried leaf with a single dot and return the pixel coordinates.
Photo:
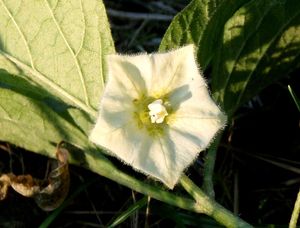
(25, 185)
(48, 194)
(54, 194)
(4, 184)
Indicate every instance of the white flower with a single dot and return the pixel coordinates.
(156, 113)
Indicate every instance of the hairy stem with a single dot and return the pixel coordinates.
(208, 185)
(212, 208)
(201, 203)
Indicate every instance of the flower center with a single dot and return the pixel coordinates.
(157, 111)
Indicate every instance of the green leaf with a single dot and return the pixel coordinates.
(261, 43)
(35, 121)
(29, 89)
(202, 23)
(59, 45)
(187, 26)
(212, 35)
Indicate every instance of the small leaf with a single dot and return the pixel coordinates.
(254, 52)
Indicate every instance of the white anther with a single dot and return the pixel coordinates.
(157, 111)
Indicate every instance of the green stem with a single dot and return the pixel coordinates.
(101, 165)
(296, 211)
(212, 208)
(208, 184)
(201, 204)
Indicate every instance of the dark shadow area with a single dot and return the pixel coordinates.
(266, 128)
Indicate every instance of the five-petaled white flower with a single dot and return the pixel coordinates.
(156, 113)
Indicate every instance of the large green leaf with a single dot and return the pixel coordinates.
(59, 45)
(53, 54)
(201, 23)
(261, 43)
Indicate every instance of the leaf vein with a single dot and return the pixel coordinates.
(102, 59)
(20, 32)
(84, 30)
(82, 80)
(43, 79)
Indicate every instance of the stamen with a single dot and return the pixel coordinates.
(157, 111)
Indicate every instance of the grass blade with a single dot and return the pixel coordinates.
(295, 98)
(126, 214)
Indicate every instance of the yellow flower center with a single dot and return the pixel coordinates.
(151, 114)
(157, 111)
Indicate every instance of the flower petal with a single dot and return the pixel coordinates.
(155, 158)
(119, 140)
(173, 70)
(134, 72)
(180, 147)
(166, 158)
(195, 102)
(199, 130)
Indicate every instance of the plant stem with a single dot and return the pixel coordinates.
(208, 185)
(296, 211)
(201, 204)
(212, 208)
(99, 164)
